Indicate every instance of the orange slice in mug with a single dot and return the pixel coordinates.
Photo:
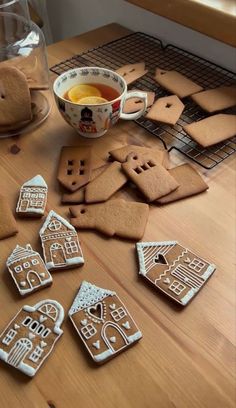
(81, 91)
(92, 100)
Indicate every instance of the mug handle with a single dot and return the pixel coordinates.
(135, 115)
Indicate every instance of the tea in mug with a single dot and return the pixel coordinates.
(91, 94)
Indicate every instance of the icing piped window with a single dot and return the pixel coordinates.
(18, 269)
(54, 225)
(9, 337)
(49, 310)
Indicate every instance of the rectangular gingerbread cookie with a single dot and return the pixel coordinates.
(103, 322)
(190, 183)
(176, 83)
(120, 154)
(212, 130)
(106, 184)
(31, 336)
(8, 226)
(213, 100)
(74, 168)
(151, 178)
(173, 269)
(113, 217)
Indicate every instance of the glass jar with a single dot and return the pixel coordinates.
(19, 7)
(22, 46)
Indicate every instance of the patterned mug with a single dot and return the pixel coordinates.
(94, 120)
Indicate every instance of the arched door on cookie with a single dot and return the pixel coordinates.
(57, 254)
(33, 279)
(19, 351)
(114, 337)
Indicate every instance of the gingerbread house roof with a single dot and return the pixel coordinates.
(52, 214)
(148, 250)
(21, 253)
(87, 296)
(37, 181)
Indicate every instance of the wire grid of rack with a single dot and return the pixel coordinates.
(138, 47)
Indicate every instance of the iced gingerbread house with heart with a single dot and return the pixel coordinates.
(28, 270)
(103, 322)
(31, 335)
(173, 269)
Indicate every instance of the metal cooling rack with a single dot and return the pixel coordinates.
(138, 47)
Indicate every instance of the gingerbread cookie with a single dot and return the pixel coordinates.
(61, 248)
(190, 183)
(78, 196)
(120, 154)
(8, 225)
(173, 269)
(28, 270)
(33, 197)
(132, 72)
(166, 110)
(106, 184)
(217, 99)
(135, 104)
(114, 217)
(15, 100)
(102, 322)
(74, 167)
(31, 335)
(212, 130)
(176, 83)
(151, 178)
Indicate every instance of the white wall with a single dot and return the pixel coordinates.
(72, 17)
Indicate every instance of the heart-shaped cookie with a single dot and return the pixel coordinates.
(15, 100)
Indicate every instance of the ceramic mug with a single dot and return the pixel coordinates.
(94, 120)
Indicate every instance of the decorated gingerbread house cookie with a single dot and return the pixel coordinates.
(103, 322)
(28, 270)
(31, 335)
(61, 248)
(173, 269)
(33, 197)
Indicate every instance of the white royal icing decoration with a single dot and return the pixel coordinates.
(43, 344)
(42, 318)
(113, 306)
(113, 339)
(97, 344)
(126, 325)
(166, 280)
(23, 283)
(31, 335)
(84, 322)
(16, 326)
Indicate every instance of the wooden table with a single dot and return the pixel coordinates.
(186, 358)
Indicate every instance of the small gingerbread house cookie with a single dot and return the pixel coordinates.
(33, 198)
(103, 322)
(31, 335)
(61, 248)
(28, 270)
(173, 269)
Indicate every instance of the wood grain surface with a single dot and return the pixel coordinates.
(186, 358)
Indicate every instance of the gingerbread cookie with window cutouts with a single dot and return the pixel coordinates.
(33, 198)
(31, 336)
(173, 269)
(28, 270)
(102, 322)
(61, 248)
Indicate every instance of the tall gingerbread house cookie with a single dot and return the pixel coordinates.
(61, 248)
(33, 198)
(103, 322)
(173, 269)
(28, 270)
(31, 335)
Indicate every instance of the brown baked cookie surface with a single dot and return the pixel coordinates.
(31, 336)
(132, 72)
(176, 83)
(120, 154)
(114, 217)
(212, 130)
(173, 269)
(213, 100)
(103, 322)
(8, 226)
(15, 100)
(166, 110)
(151, 178)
